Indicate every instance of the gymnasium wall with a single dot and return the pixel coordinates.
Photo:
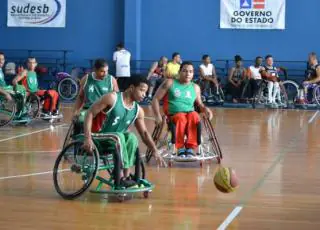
(151, 28)
(93, 28)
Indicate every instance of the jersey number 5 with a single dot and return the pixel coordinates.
(116, 120)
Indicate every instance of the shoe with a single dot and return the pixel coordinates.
(189, 153)
(181, 152)
(128, 182)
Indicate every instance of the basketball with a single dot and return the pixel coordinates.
(226, 180)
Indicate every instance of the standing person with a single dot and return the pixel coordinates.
(254, 76)
(121, 58)
(235, 78)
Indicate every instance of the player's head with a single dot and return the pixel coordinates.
(2, 59)
(138, 87)
(269, 60)
(313, 58)
(101, 68)
(186, 72)
(206, 59)
(238, 60)
(32, 63)
(258, 61)
(176, 57)
(120, 46)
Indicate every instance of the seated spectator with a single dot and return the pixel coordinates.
(209, 80)
(156, 74)
(235, 78)
(254, 77)
(173, 67)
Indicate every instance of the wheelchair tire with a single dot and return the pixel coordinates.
(316, 94)
(68, 89)
(292, 89)
(88, 171)
(68, 137)
(213, 139)
(33, 105)
(8, 109)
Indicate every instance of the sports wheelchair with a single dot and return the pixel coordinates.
(19, 110)
(288, 93)
(75, 163)
(208, 145)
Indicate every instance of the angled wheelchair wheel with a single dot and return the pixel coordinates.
(284, 96)
(68, 138)
(33, 105)
(68, 89)
(74, 170)
(210, 143)
(7, 111)
(316, 94)
(155, 136)
(292, 89)
(260, 97)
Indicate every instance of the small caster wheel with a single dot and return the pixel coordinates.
(120, 197)
(146, 194)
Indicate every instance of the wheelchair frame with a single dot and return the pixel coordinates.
(111, 163)
(167, 148)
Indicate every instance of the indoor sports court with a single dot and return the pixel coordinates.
(148, 114)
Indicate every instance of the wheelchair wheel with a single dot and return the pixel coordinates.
(284, 96)
(155, 136)
(68, 89)
(260, 97)
(69, 135)
(7, 111)
(292, 89)
(75, 170)
(33, 105)
(316, 94)
(210, 142)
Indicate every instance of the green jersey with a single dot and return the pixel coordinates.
(32, 81)
(181, 97)
(119, 117)
(94, 89)
(2, 81)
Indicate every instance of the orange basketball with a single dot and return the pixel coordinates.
(226, 180)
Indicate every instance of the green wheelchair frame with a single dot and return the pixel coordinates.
(21, 110)
(88, 164)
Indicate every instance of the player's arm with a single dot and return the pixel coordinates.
(80, 99)
(317, 79)
(5, 94)
(202, 107)
(152, 69)
(231, 71)
(103, 104)
(19, 77)
(115, 85)
(161, 92)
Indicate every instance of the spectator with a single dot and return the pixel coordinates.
(173, 67)
(235, 78)
(121, 58)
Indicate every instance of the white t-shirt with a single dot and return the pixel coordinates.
(122, 59)
(207, 70)
(255, 72)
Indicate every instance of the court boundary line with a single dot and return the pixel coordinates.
(30, 133)
(236, 211)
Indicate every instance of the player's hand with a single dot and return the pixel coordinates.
(158, 120)
(88, 145)
(160, 161)
(209, 113)
(8, 97)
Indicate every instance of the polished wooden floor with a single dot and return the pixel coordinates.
(275, 154)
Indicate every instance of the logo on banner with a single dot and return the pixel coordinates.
(252, 4)
(35, 12)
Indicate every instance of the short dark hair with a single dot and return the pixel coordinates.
(268, 56)
(1, 53)
(237, 58)
(204, 57)
(100, 63)
(312, 54)
(120, 45)
(137, 79)
(175, 54)
(258, 57)
(186, 63)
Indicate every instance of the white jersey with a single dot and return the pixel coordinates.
(207, 70)
(255, 72)
(122, 59)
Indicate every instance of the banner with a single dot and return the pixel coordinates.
(252, 14)
(36, 13)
